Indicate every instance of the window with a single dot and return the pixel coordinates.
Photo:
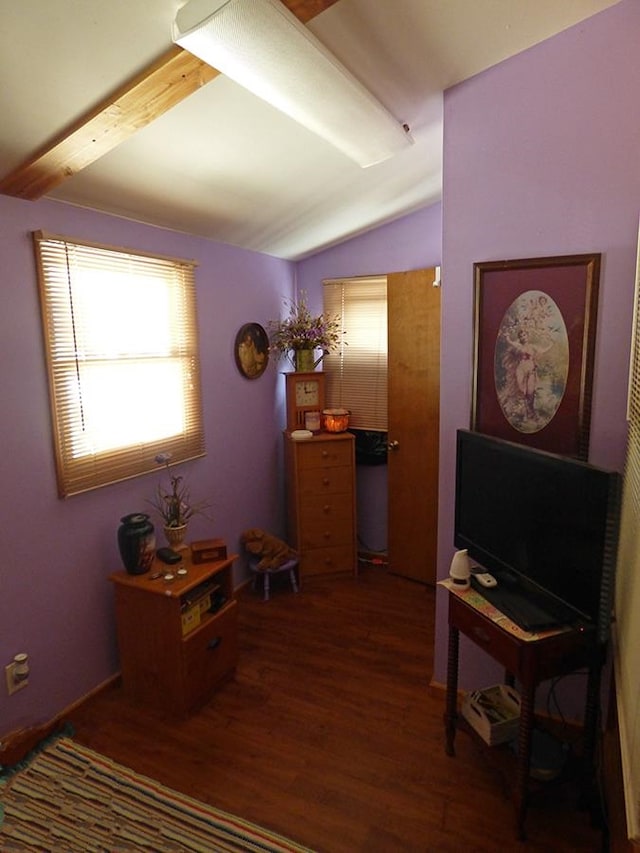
(356, 373)
(122, 354)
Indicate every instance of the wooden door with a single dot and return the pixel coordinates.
(414, 416)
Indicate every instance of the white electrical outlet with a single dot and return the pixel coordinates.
(14, 681)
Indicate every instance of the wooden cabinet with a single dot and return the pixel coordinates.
(321, 502)
(177, 639)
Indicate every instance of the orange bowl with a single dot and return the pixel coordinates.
(336, 420)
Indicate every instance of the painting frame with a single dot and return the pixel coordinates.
(534, 349)
(251, 350)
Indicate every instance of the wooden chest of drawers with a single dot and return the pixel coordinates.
(321, 502)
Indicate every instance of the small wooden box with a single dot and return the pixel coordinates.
(208, 550)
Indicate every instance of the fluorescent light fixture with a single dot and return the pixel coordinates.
(262, 46)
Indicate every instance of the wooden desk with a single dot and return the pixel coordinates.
(529, 658)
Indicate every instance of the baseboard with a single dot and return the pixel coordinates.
(18, 743)
(438, 690)
(378, 559)
(613, 783)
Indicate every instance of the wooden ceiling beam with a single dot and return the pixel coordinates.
(162, 85)
(305, 10)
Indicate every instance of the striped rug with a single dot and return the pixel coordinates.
(68, 798)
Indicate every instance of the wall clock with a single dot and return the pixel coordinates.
(305, 393)
(252, 350)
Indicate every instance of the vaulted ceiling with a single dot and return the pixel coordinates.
(102, 111)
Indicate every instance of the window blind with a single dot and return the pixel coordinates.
(626, 627)
(121, 346)
(356, 373)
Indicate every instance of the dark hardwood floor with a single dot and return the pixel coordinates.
(330, 735)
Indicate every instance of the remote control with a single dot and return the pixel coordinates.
(485, 579)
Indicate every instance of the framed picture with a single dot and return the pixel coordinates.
(252, 350)
(534, 328)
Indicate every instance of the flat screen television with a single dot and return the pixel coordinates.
(546, 526)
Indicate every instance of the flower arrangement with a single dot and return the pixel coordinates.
(301, 330)
(175, 506)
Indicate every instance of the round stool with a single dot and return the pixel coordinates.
(290, 566)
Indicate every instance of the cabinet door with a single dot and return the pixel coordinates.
(209, 655)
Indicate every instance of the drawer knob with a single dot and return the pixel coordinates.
(325, 454)
(326, 481)
(214, 643)
(326, 508)
(327, 534)
(480, 634)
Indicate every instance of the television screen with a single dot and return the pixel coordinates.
(544, 525)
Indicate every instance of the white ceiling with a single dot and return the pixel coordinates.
(224, 165)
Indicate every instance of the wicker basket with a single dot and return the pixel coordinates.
(176, 536)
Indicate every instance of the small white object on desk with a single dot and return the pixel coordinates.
(460, 569)
(301, 434)
(485, 579)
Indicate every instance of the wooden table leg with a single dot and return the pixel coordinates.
(525, 733)
(588, 791)
(451, 711)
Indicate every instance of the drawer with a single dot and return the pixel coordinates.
(328, 507)
(327, 560)
(319, 454)
(502, 646)
(319, 534)
(330, 523)
(209, 654)
(325, 480)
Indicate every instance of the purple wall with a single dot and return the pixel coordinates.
(411, 243)
(541, 158)
(55, 600)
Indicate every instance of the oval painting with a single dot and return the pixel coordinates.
(531, 362)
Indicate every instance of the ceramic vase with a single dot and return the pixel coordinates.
(303, 360)
(136, 542)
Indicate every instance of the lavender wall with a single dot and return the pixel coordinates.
(413, 242)
(55, 599)
(541, 158)
(410, 243)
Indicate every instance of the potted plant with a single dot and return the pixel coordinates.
(175, 505)
(301, 333)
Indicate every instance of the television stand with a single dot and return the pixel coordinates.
(530, 658)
